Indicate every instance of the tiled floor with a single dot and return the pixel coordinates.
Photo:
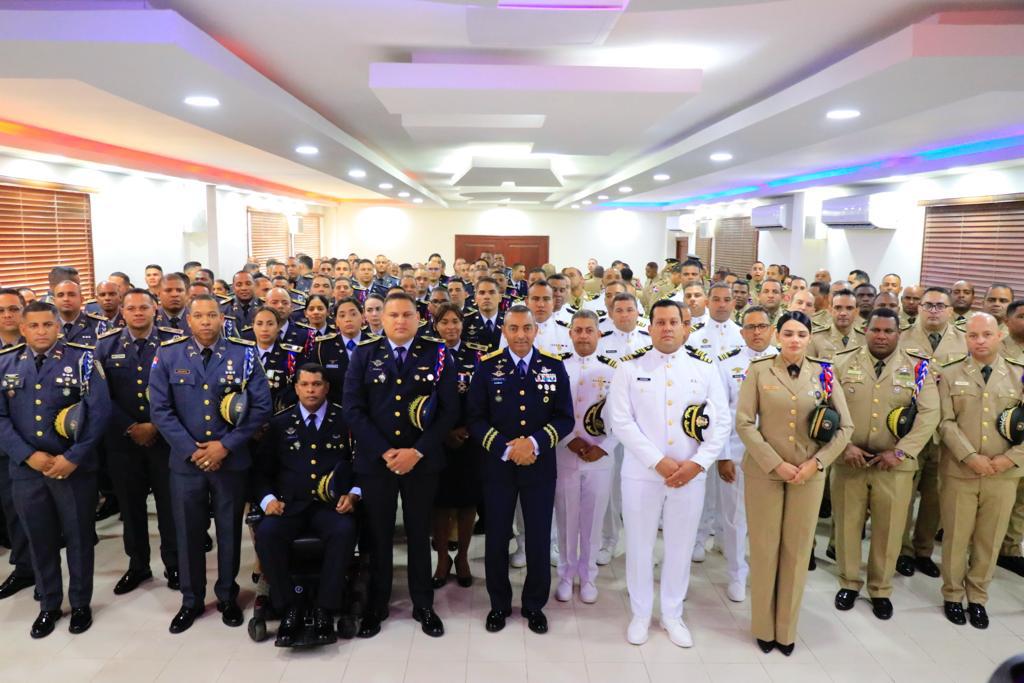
(129, 640)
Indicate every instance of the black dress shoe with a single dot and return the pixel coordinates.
(536, 620)
(230, 613)
(845, 599)
(905, 565)
(208, 543)
(131, 580)
(182, 621)
(13, 583)
(44, 623)
(173, 582)
(812, 564)
(464, 581)
(108, 508)
(954, 612)
(1013, 564)
(496, 620)
(978, 615)
(286, 631)
(429, 621)
(938, 536)
(881, 608)
(81, 620)
(927, 567)
(369, 627)
(766, 645)
(786, 649)
(830, 553)
(323, 627)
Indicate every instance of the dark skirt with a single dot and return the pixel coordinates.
(459, 485)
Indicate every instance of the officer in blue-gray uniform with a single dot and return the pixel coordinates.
(299, 268)
(400, 401)
(52, 442)
(241, 308)
(173, 297)
(208, 396)
(519, 408)
(137, 454)
(75, 324)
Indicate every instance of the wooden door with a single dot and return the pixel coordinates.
(701, 246)
(530, 250)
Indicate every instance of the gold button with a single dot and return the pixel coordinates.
(206, 386)
(792, 412)
(312, 476)
(142, 407)
(792, 438)
(874, 414)
(209, 433)
(398, 413)
(39, 386)
(39, 418)
(874, 400)
(668, 384)
(878, 386)
(984, 438)
(792, 425)
(138, 381)
(313, 446)
(39, 403)
(985, 394)
(668, 365)
(398, 381)
(398, 398)
(139, 394)
(39, 433)
(206, 401)
(670, 442)
(312, 462)
(313, 491)
(522, 423)
(522, 392)
(669, 402)
(985, 409)
(522, 409)
(984, 424)
(139, 368)
(793, 398)
(398, 432)
(874, 429)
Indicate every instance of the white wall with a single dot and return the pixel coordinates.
(407, 234)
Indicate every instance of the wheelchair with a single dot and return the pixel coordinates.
(305, 559)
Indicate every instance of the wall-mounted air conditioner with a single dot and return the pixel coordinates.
(771, 216)
(681, 223)
(880, 210)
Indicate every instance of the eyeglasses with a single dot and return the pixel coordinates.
(936, 308)
(758, 328)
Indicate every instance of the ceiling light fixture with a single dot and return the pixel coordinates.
(842, 114)
(204, 101)
(721, 156)
(417, 200)
(403, 195)
(308, 150)
(575, 206)
(602, 197)
(662, 177)
(357, 173)
(587, 202)
(386, 186)
(625, 189)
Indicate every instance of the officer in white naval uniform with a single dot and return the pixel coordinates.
(585, 462)
(665, 469)
(624, 338)
(731, 513)
(695, 298)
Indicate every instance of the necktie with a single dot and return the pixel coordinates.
(140, 344)
(794, 370)
(879, 366)
(350, 346)
(311, 421)
(846, 340)
(175, 322)
(986, 372)
(399, 357)
(40, 358)
(245, 308)
(934, 338)
(206, 353)
(67, 329)
(489, 326)
(521, 368)
(263, 358)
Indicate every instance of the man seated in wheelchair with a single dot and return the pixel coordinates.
(305, 485)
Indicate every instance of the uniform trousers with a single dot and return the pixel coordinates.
(781, 518)
(192, 497)
(21, 556)
(919, 535)
(1015, 531)
(274, 537)
(887, 495)
(731, 522)
(135, 471)
(611, 527)
(380, 501)
(710, 524)
(581, 497)
(975, 514)
(643, 504)
(52, 509)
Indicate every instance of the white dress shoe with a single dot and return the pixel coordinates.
(677, 632)
(700, 553)
(636, 634)
(737, 592)
(518, 558)
(604, 557)
(554, 556)
(563, 593)
(588, 593)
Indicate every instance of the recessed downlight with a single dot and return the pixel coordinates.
(403, 195)
(721, 156)
(586, 202)
(842, 114)
(205, 101)
(662, 177)
(307, 150)
(575, 206)
(357, 173)
(625, 189)
(602, 197)
(386, 186)
(417, 200)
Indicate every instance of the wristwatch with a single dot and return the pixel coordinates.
(900, 454)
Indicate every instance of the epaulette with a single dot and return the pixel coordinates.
(422, 323)
(297, 291)
(475, 346)
(96, 316)
(956, 360)
(284, 410)
(729, 354)
(906, 326)
(919, 356)
(822, 361)
(241, 342)
(12, 348)
(367, 341)
(563, 356)
(607, 361)
(762, 358)
(291, 347)
(175, 340)
(562, 323)
(299, 323)
(698, 354)
(76, 345)
(820, 328)
(468, 311)
(110, 333)
(860, 330)
(553, 356)
(644, 332)
(636, 354)
(89, 301)
(1014, 361)
(601, 314)
(852, 349)
(605, 334)
(337, 405)
(492, 354)
(326, 337)
(432, 339)
(697, 326)
(171, 330)
(227, 300)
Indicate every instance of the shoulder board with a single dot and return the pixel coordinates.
(954, 361)
(644, 332)
(297, 291)
(96, 316)
(241, 342)
(697, 326)
(601, 314)
(698, 354)
(284, 410)
(292, 347)
(367, 341)
(1014, 361)
(110, 333)
(729, 354)
(226, 299)
(422, 323)
(818, 329)
(919, 356)
(554, 356)
(326, 337)
(431, 339)
(607, 361)
(822, 361)
(172, 330)
(563, 356)
(562, 323)
(762, 359)
(16, 347)
(636, 354)
(175, 340)
(492, 354)
(305, 325)
(468, 311)
(337, 405)
(76, 345)
(906, 326)
(475, 346)
(860, 330)
(605, 334)
(89, 301)
(844, 352)
(230, 317)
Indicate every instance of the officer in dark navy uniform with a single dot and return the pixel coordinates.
(483, 327)
(519, 409)
(75, 324)
(299, 269)
(53, 457)
(137, 455)
(173, 313)
(333, 351)
(305, 485)
(242, 306)
(279, 359)
(208, 396)
(290, 333)
(398, 450)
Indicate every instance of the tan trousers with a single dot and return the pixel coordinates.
(886, 494)
(975, 514)
(1015, 532)
(780, 519)
(919, 535)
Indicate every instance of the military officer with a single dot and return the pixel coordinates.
(290, 333)
(382, 280)
(173, 314)
(741, 299)
(279, 359)
(982, 459)
(208, 396)
(935, 337)
(551, 336)
(298, 269)
(1013, 348)
(718, 333)
(108, 296)
(304, 483)
(769, 296)
(53, 457)
(910, 305)
(822, 303)
(876, 470)
(841, 334)
(483, 327)
(242, 306)
(137, 454)
(334, 351)
(962, 294)
(519, 462)
(401, 401)
(75, 324)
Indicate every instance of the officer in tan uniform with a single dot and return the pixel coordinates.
(880, 382)
(982, 461)
(1013, 348)
(784, 467)
(840, 335)
(934, 336)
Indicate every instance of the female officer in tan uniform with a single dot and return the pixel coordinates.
(784, 470)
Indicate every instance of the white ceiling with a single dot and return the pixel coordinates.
(460, 101)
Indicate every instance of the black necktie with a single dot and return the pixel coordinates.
(206, 353)
(846, 340)
(521, 368)
(67, 329)
(311, 422)
(140, 344)
(794, 370)
(934, 338)
(175, 322)
(879, 366)
(489, 326)
(263, 357)
(40, 358)
(399, 357)
(986, 372)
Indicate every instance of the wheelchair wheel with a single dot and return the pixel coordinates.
(258, 629)
(347, 627)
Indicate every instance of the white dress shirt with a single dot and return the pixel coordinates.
(589, 381)
(714, 338)
(733, 370)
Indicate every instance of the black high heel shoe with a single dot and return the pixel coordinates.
(785, 649)
(463, 581)
(439, 581)
(766, 645)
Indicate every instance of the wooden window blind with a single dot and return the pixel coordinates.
(41, 228)
(268, 236)
(981, 243)
(735, 245)
(308, 240)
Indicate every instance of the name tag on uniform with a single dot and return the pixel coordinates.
(183, 371)
(961, 383)
(643, 379)
(117, 356)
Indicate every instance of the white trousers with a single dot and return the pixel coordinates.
(581, 497)
(710, 522)
(612, 525)
(732, 517)
(642, 505)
